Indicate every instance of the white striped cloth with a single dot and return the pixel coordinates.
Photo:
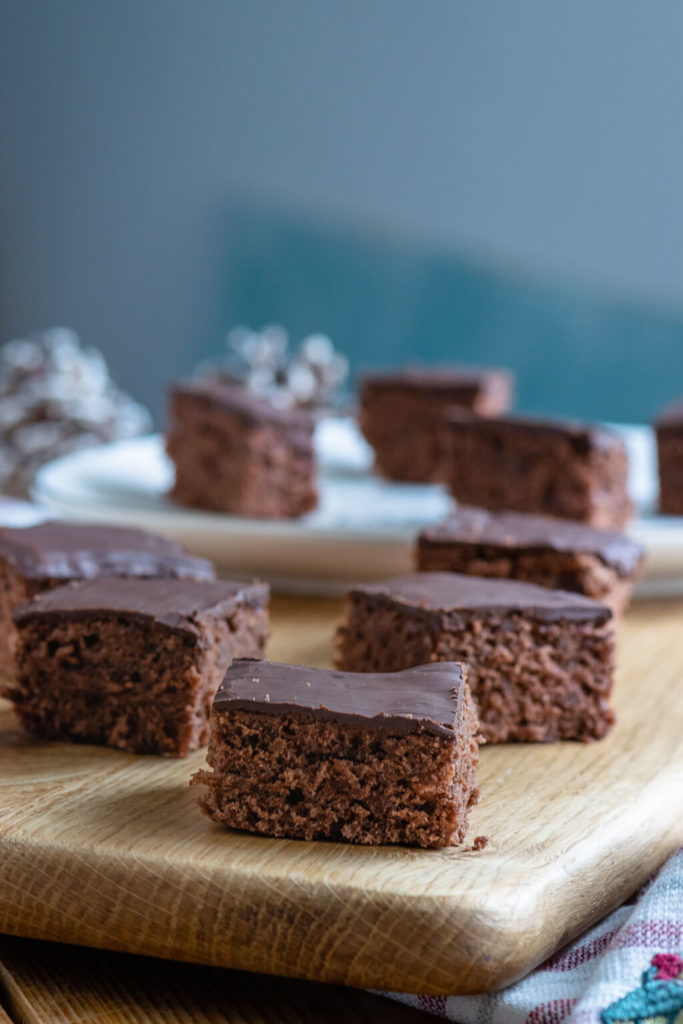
(627, 968)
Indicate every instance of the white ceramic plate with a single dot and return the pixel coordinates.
(364, 528)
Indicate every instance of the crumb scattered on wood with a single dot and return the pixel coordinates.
(480, 842)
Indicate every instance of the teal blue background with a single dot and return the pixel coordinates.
(388, 301)
(422, 179)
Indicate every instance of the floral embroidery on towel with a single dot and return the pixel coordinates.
(659, 998)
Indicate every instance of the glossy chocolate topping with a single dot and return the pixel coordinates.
(519, 532)
(429, 696)
(451, 592)
(245, 405)
(442, 378)
(172, 602)
(583, 437)
(77, 551)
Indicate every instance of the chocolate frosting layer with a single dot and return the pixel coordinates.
(175, 603)
(519, 532)
(582, 436)
(79, 551)
(429, 696)
(442, 378)
(670, 418)
(452, 592)
(245, 405)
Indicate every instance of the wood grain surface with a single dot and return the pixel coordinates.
(105, 849)
(44, 983)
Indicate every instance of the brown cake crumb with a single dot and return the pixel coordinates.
(343, 759)
(132, 664)
(402, 414)
(39, 558)
(552, 467)
(541, 662)
(557, 553)
(669, 434)
(234, 452)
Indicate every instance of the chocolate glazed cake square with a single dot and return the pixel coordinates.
(555, 553)
(540, 661)
(235, 452)
(402, 414)
(130, 663)
(316, 754)
(39, 558)
(553, 467)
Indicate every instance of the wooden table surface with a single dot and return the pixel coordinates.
(41, 982)
(44, 983)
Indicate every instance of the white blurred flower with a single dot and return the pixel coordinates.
(55, 396)
(312, 377)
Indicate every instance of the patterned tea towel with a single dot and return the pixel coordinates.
(627, 968)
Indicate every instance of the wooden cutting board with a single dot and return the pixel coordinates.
(105, 849)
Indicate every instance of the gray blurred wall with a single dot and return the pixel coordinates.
(541, 137)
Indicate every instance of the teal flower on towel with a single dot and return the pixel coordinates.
(659, 998)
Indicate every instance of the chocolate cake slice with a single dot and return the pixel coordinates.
(316, 754)
(235, 452)
(402, 414)
(669, 434)
(38, 558)
(556, 553)
(552, 467)
(132, 663)
(540, 661)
